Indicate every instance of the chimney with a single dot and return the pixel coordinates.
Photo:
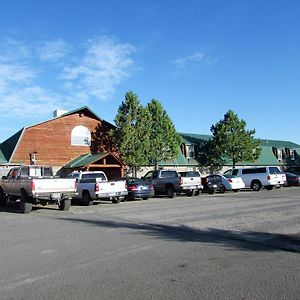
(59, 112)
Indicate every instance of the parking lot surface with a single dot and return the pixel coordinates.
(223, 246)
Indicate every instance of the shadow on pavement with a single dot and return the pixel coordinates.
(247, 240)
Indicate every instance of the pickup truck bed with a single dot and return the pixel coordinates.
(32, 185)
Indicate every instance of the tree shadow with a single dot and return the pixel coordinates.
(243, 240)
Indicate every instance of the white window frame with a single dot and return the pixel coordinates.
(80, 136)
(190, 153)
(279, 154)
(292, 154)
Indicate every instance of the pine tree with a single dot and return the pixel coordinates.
(132, 134)
(232, 141)
(163, 136)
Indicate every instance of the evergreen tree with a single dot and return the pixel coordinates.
(132, 134)
(232, 141)
(163, 136)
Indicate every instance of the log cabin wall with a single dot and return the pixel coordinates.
(51, 140)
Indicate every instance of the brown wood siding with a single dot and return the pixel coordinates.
(52, 140)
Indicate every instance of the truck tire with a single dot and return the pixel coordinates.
(64, 204)
(255, 185)
(222, 189)
(269, 187)
(3, 198)
(25, 203)
(191, 193)
(170, 191)
(211, 191)
(86, 199)
(116, 200)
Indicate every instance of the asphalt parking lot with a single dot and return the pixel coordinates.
(224, 246)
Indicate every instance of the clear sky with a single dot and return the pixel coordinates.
(199, 58)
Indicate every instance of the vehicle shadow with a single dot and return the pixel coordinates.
(13, 207)
(245, 240)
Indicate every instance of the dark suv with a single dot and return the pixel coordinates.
(294, 170)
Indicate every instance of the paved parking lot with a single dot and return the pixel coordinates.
(222, 246)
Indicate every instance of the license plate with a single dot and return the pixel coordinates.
(55, 196)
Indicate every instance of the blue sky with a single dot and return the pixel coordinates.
(198, 58)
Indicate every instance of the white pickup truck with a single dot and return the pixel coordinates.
(94, 185)
(190, 182)
(32, 184)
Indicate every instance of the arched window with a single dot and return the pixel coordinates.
(80, 136)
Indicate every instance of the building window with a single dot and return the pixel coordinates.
(279, 154)
(80, 136)
(292, 154)
(190, 151)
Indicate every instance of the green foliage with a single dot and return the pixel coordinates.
(163, 136)
(232, 141)
(133, 131)
(145, 136)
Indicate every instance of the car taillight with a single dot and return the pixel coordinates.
(97, 187)
(133, 188)
(151, 187)
(229, 180)
(268, 177)
(32, 185)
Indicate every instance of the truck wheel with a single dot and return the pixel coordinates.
(116, 200)
(3, 198)
(191, 193)
(222, 189)
(211, 191)
(255, 185)
(170, 192)
(145, 198)
(25, 203)
(86, 199)
(64, 204)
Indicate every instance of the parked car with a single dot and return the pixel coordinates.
(94, 185)
(211, 184)
(220, 183)
(292, 179)
(294, 170)
(138, 189)
(190, 182)
(33, 184)
(258, 177)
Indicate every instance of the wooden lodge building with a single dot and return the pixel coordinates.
(80, 140)
(75, 140)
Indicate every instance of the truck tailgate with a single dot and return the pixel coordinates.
(53, 185)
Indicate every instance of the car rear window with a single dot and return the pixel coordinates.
(167, 174)
(274, 170)
(254, 170)
(93, 176)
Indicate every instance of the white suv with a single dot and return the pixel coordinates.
(256, 178)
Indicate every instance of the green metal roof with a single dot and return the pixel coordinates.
(180, 160)
(266, 157)
(199, 138)
(7, 148)
(279, 144)
(193, 138)
(84, 160)
(2, 158)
